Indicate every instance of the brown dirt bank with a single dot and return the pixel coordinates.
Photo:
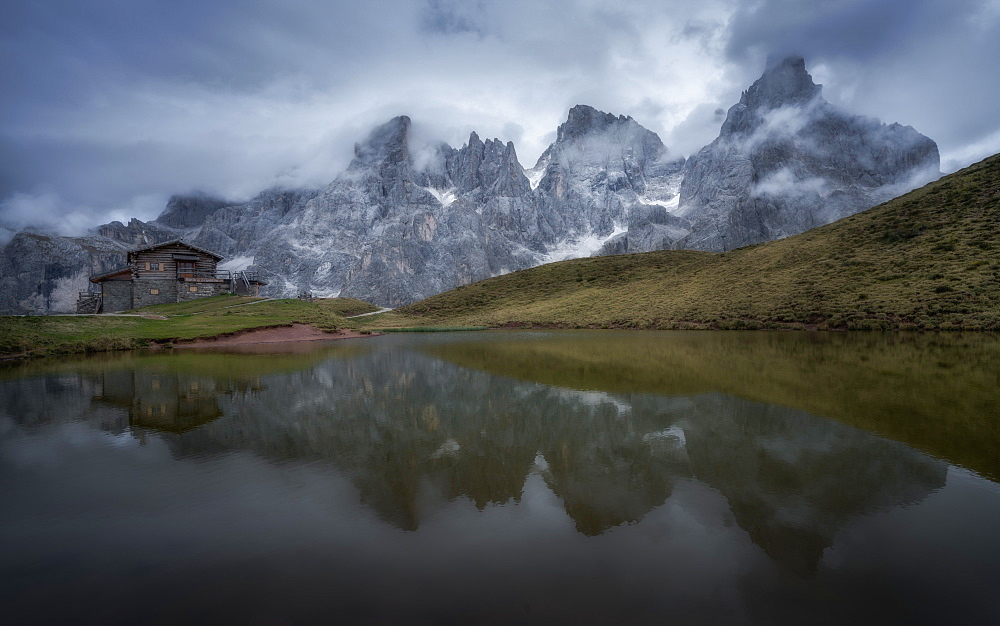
(278, 334)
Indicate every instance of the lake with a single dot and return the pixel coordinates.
(498, 477)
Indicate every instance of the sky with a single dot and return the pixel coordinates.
(111, 106)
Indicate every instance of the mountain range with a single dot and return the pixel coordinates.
(401, 224)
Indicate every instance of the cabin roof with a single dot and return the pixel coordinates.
(175, 242)
(106, 275)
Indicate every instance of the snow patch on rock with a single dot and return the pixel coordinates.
(445, 197)
(237, 263)
(580, 246)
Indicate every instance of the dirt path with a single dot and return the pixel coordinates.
(382, 310)
(282, 334)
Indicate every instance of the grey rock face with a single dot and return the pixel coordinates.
(42, 273)
(188, 211)
(396, 227)
(787, 161)
(603, 175)
(399, 225)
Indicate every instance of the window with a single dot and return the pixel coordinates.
(154, 292)
(154, 266)
(193, 288)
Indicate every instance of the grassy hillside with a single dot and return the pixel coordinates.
(343, 307)
(927, 260)
(206, 317)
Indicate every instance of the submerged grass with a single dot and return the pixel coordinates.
(928, 260)
(934, 391)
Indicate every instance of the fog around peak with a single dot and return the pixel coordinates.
(110, 109)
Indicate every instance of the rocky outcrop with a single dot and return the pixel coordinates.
(401, 224)
(786, 161)
(605, 172)
(40, 273)
(189, 211)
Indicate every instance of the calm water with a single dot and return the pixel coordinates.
(528, 477)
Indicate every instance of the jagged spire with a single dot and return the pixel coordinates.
(387, 141)
(583, 119)
(784, 81)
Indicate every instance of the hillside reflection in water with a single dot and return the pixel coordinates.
(713, 452)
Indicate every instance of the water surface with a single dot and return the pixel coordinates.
(539, 477)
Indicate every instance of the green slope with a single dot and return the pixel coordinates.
(927, 260)
(206, 317)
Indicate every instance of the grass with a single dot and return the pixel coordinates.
(207, 317)
(346, 307)
(200, 305)
(339, 307)
(928, 260)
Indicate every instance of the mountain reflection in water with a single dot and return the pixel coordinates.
(611, 423)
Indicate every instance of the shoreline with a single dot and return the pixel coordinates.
(296, 333)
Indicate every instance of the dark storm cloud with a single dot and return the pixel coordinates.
(112, 103)
(112, 106)
(925, 63)
(858, 29)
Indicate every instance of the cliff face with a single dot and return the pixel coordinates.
(397, 226)
(42, 273)
(787, 161)
(614, 177)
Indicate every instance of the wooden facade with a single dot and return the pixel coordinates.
(172, 260)
(172, 271)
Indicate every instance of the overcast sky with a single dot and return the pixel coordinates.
(110, 106)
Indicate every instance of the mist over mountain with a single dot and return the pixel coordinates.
(787, 161)
(404, 222)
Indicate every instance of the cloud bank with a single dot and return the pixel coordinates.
(110, 108)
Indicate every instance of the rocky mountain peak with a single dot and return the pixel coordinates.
(387, 142)
(409, 219)
(596, 136)
(787, 161)
(583, 120)
(785, 81)
(187, 211)
(491, 167)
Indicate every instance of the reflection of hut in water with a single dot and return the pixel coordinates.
(162, 401)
